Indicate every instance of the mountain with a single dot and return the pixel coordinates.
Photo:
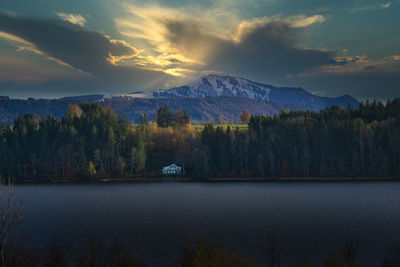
(12, 108)
(205, 99)
(216, 85)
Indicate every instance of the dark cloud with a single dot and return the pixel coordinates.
(369, 67)
(85, 50)
(373, 83)
(264, 50)
(54, 89)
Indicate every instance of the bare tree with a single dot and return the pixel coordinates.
(273, 249)
(350, 252)
(10, 217)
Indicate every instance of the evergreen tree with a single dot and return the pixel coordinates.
(164, 117)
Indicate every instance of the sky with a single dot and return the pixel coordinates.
(51, 49)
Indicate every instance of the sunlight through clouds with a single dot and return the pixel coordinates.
(115, 58)
(186, 38)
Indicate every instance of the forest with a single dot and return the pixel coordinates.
(91, 142)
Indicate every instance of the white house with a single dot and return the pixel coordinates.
(172, 170)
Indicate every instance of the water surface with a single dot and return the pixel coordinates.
(156, 219)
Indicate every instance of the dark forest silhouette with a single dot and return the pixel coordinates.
(92, 142)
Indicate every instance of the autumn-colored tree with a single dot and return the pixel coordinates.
(220, 120)
(74, 111)
(245, 116)
(181, 118)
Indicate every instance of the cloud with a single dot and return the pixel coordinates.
(72, 18)
(259, 49)
(22, 45)
(301, 21)
(352, 59)
(298, 21)
(366, 83)
(24, 71)
(386, 5)
(264, 48)
(268, 51)
(395, 57)
(371, 7)
(88, 51)
(362, 77)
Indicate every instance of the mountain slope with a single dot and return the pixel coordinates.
(200, 109)
(216, 85)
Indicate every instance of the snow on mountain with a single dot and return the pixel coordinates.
(216, 85)
(138, 94)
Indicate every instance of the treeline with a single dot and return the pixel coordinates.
(363, 142)
(92, 142)
(89, 141)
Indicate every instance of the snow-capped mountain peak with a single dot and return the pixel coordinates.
(217, 85)
(214, 85)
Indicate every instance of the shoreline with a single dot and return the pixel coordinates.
(220, 179)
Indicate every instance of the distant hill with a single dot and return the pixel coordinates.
(201, 110)
(205, 99)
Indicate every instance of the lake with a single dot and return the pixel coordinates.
(156, 219)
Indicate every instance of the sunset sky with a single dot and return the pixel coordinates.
(61, 48)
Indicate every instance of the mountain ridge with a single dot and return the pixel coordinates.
(218, 85)
(205, 99)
